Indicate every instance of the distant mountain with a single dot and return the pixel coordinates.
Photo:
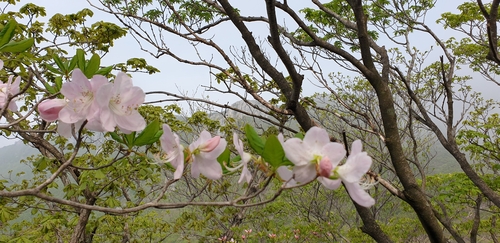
(10, 157)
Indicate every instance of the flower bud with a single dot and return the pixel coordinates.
(325, 167)
(210, 145)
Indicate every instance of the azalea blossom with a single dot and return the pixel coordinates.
(245, 157)
(175, 155)
(80, 95)
(119, 102)
(312, 155)
(9, 89)
(357, 164)
(49, 109)
(204, 152)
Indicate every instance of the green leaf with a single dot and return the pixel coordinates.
(58, 81)
(73, 63)
(49, 88)
(273, 152)
(80, 58)
(115, 137)
(18, 46)
(147, 134)
(104, 71)
(156, 137)
(99, 174)
(300, 135)
(92, 66)
(59, 63)
(41, 164)
(52, 69)
(255, 141)
(224, 159)
(7, 32)
(129, 139)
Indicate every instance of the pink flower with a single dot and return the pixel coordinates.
(9, 89)
(205, 151)
(119, 102)
(312, 155)
(245, 157)
(357, 164)
(49, 109)
(175, 155)
(80, 94)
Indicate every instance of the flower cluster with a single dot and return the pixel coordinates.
(104, 105)
(316, 157)
(313, 157)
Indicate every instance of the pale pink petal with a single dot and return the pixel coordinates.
(95, 125)
(355, 167)
(12, 105)
(14, 87)
(123, 81)
(211, 169)
(103, 95)
(359, 195)
(68, 115)
(64, 129)
(134, 95)
(334, 151)
(97, 82)
(304, 173)
(296, 152)
(180, 168)
(132, 122)
(245, 175)
(316, 138)
(238, 144)
(107, 120)
(286, 175)
(329, 183)
(356, 147)
(281, 138)
(78, 85)
(195, 169)
(1, 64)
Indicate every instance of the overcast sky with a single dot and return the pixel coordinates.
(176, 76)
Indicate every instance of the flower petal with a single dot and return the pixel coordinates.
(296, 152)
(245, 175)
(210, 169)
(355, 167)
(316, 138)
(334, 151)
(304, 173)
(132, 122)
(359, 195)
(330, 184)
